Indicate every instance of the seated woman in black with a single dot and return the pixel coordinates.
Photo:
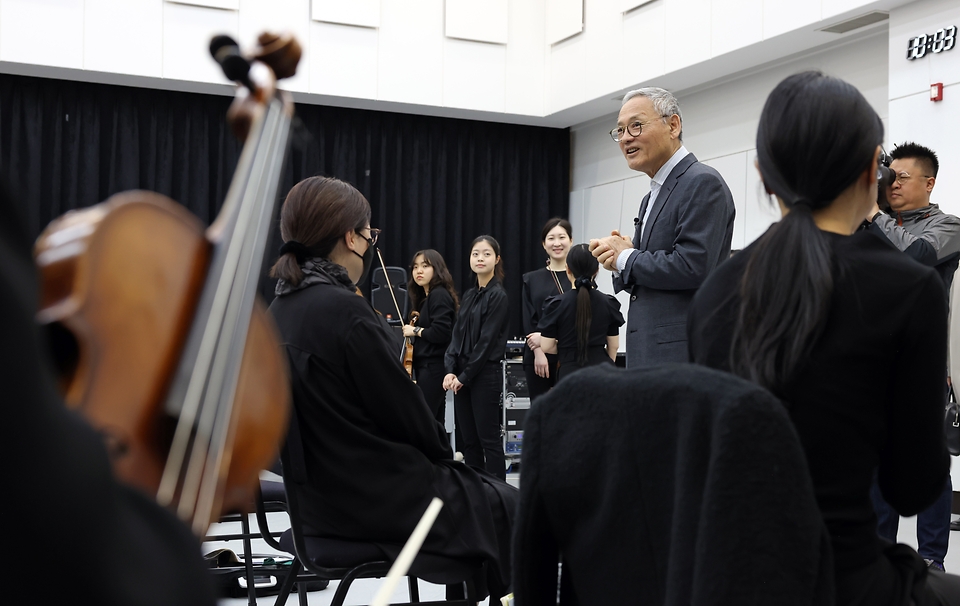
(846, 330)
(375, 455)
(582, 325)
(433, 296)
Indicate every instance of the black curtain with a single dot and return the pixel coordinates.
(432, 182)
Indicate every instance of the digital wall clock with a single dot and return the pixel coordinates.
(943, 40)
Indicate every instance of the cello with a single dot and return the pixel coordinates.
(170, 354)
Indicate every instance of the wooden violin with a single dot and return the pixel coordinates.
(408, 346)
(173, 357)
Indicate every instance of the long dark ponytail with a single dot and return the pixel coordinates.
(584, 266)
(817, 136)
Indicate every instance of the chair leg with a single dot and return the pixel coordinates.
(344, 585)
(248, 560)
(288, 582)
(414, 589)
(302, 594)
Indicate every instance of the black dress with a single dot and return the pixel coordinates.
(374, 453)
(559, 321)
(538, 286)
(437, 315)
(868, 400)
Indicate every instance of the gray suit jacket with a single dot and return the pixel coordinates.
(689, 233)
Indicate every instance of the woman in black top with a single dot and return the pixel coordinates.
(433, 296)
(473, 360)
(846, 330)
(539, 367)
(585, 321)
(374, 454)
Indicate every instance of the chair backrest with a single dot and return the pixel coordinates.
(670, 485)
(380, 293)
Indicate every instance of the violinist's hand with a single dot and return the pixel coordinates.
(448, 381)
(408, 331)
(533, 340)
(540, 364)
(606, 250)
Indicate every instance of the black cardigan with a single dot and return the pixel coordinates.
(437, 314)
(538, 286)
(869, 399)
(480, 334)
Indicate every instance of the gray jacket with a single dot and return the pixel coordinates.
(689, 234)
(927, 234)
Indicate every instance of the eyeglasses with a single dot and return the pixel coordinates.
(374, 235)
(902, 178)
(634, 129)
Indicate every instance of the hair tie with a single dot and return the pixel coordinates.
(298, 249)
(583, 282)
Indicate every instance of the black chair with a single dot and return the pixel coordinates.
(317, 558)
(380, 293)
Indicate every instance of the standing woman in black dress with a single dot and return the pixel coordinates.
(581, 326)
(849, 332)
(473, 360)
(433, 296)
(540, 367)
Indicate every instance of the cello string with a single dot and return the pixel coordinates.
(245, 290)
(187, 391)
(228, 319)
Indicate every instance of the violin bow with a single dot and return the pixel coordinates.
(386, 276)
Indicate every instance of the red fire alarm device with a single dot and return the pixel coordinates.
(936, 91)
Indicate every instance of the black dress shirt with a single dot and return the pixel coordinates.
(437, 314)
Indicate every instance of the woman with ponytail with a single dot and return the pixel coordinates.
(582, 325)
(826, 317)
(373, 453)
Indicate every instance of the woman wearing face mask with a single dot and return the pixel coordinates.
(433, 296)
(796, 313)
(374, 454)
(540, 367)
(581, 326)
(472, 360)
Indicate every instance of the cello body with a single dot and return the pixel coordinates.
(123, 278)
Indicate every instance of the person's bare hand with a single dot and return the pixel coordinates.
(540, 364)
(606, 250)
(448, 381)
(873, 211)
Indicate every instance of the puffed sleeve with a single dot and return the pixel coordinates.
(549, 316)
(616, 318)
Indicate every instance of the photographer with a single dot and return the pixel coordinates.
(932, 237)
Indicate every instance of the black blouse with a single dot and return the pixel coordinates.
(559, 321)
(869, 399)
(480, 334)
(437, 314)
(538, 286)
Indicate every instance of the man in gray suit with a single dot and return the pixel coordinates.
(683, 229)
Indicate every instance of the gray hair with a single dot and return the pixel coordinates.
(663, 101)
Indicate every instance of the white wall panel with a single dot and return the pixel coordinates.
(480, 21)
(687, 32)
(735, 24)
(473, 75)
(564, 19)
(643, 38)
(575, 216)
(596, 157)
(831, 8)
(782, 16)
(565, 75)
(910, 77)
(603, 41)
(601, 209)
(222, 4)
(187, 31)
(123, 37)
(733, 169)
(258, 16)
(344, 60)
(526, 58)
(365, 13)
(42, 32)
(411, 52)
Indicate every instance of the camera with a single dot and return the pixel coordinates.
(885, 178)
